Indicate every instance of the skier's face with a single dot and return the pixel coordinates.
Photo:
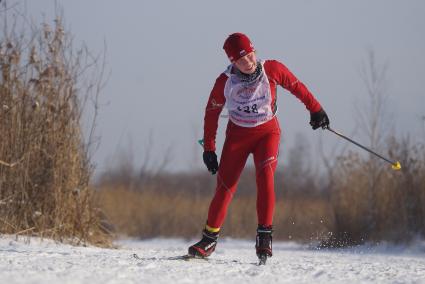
(247, 63)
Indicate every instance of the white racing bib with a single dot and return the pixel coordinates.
(249, 104)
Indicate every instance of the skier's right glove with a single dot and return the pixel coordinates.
(319, 119)
(210, 160)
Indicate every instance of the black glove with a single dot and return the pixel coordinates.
(319, 119)
(210, 160)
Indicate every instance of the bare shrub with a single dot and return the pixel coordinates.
(45, 168)
(371, 202)
(392, 209)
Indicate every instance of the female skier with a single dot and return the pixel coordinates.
(247, 88)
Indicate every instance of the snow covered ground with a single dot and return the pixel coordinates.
(233, 262)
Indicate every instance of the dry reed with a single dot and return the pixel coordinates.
(178, 212)
(44, 169)
(365, 202)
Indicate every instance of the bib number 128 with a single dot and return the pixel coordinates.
(248, 109)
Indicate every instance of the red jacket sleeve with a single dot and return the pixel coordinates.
(213, 109)
(281, 74)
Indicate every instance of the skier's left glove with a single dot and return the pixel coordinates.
(210, 160)
(319, 119)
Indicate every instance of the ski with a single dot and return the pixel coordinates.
(188, 257)
(179, 257)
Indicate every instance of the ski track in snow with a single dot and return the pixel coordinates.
(233, 262)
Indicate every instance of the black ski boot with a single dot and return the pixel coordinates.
(263, 245)
(206, 246)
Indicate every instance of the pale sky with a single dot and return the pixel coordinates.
(164, 56)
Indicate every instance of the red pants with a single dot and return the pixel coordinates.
(263, 142)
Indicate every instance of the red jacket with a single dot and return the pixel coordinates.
(278, 74)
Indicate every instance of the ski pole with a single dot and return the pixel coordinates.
(394, 165)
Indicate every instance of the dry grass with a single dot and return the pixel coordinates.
(366, 201)
(150, 213)
(44, 169)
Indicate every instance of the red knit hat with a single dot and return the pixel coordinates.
(237, 45)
